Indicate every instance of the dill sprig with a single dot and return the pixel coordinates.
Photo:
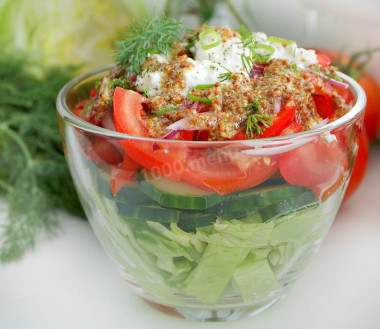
(226, 76)
(146, 36)
(34, 177)
(256, 122)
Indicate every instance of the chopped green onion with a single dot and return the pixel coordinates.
(190, 44)
(88, 104)
(280, 40)
(168, 108)
(265, 52)
(200, 99)
(209, 39)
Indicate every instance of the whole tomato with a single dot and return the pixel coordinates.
(360, 166)
(353, 67)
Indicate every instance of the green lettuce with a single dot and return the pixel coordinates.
(65, 31)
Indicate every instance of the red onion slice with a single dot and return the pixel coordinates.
(331, 81)
(277, 105)
(170, 134)
(107, 122)
(184, 124)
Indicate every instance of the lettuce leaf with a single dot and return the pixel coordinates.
(65, 31)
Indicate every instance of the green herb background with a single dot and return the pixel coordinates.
(34, 177)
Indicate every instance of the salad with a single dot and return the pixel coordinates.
(188, 208)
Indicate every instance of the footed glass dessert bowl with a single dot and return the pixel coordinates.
(209, 230)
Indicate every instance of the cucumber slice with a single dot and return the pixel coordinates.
(173, 194)
(285, 207)
(151, 213)
(261, 197)
(131, 194)
(190, 221)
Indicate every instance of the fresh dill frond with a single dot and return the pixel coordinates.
(256, 124)
(34, 176)
(226, 76)
(247, 62)
(169, 108)
(146, 91)
(255, 106)
(146, 36)
(122, 82)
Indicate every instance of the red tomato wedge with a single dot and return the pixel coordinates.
(315, 163)
(163, 158)
(226, 172)
(123, 173)
(324, 105)
(323, 59)
(283, 120)
(102, 151)
(127, 109)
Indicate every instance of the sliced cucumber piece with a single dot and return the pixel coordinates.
(192, 220)
(133, 195)
(151, 213)
(261, 197)
(173, 194)
(285, 207)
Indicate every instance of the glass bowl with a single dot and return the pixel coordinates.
(210, 231)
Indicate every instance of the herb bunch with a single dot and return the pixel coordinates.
(146, 36)
(34, 177)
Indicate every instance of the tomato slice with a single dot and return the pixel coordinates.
(324, 105)
(163, 158)
(294, 127)
(102, 151)
(226, 172)
(312, 164)
(127, 108)
(123, 173)
(283, 120)
(323, 59)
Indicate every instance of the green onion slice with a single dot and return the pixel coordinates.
(262, 53)
(190, 44)
(209, 39)
(200, 99)
(168, 108)
(85, 109)
(280, 40)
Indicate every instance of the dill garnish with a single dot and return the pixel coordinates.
(226, 75)
(256, 122)
(34, 177)
(146, 36)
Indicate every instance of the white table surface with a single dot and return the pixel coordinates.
(68, 282)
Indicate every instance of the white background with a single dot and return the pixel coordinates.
(68, 282)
